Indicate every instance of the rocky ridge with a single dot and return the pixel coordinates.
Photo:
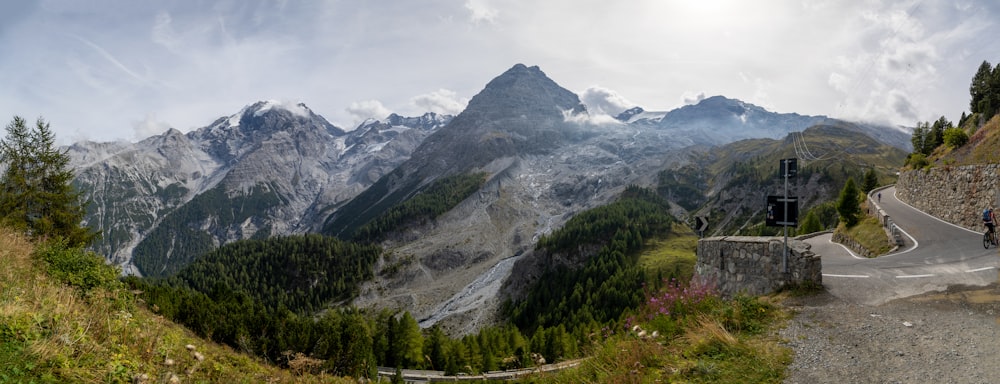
(285, 150)
(276, 169)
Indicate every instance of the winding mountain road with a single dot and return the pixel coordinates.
(935, 255)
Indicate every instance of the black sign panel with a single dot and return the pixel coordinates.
(700, 223)
(788, 167)
(777, 207)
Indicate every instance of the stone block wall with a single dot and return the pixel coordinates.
(753, 265)
(957, 195)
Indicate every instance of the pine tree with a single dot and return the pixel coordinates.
(870, 181)
(847, 204)
(980, 87)
(36, 191)
(810, 224)
(409, 343)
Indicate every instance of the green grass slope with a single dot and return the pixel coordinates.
(65, 319)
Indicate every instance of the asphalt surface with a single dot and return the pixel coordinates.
(934, 256)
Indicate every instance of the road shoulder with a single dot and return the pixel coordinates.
(934, 337)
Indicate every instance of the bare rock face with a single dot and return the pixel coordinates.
(174, 195)
(276, 169)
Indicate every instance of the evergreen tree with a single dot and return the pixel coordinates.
(847, 204)
(810, 224)
(408, 343)
(36, 191)
(980, 87)
(870, 181)
(920, 141)
(937, 131)
(434, 348)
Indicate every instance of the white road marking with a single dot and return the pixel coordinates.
(851, 276)
(981, 269)
(913, 276)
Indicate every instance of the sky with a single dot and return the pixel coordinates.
(125, 70)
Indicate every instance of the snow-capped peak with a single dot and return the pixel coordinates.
(297, 109)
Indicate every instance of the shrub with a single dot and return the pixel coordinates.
(917, 161)
(76, 266)
(955, 137)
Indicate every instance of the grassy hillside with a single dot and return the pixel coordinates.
(981, 148)
(64, 320)
(736, 178)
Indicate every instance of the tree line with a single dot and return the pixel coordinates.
(36, 191)
(178, 236)
(301, 273)
(985, 91)
(440, 197)
(609, 281)
(267, 297)
(984, 103)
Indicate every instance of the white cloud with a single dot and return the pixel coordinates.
(147, 127)
(590, 118)
(901, 106)
(481, 12)
(441, 101)
(367, 109)
(600, 100)
(163, 32)
(99, 68)
(690, 98)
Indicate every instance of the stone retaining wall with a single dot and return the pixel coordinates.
(753, 265)
(957, 195)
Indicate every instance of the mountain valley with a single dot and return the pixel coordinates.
(275, 169)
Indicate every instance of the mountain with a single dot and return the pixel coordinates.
(520, 112)
(536, 156)
(267, 170)
(729, 184)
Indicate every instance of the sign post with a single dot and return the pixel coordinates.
(784, 210)
(700, 225)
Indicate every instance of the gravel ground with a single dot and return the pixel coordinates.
(942, 337)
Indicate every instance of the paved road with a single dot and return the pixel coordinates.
(934, 256)
(424, 376)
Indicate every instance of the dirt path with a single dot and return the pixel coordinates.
(940, 337)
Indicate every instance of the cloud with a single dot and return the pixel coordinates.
(585, 118)
(481, 12)
(367, 109)
(113, 60)
(902, 106)
(163, 32)
(149, 126)
(441, 101)
(600, 100)
(688, 98)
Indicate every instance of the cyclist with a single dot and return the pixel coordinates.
(990, 222)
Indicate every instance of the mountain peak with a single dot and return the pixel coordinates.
(628, 114)
(297, 109)
(718, 120)
(271, 115)
(523, 90)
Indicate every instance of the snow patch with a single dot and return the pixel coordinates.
(297, 109)
(647, 115)
(377, 147)
(234, 120)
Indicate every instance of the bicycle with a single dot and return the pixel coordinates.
(989, 238)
